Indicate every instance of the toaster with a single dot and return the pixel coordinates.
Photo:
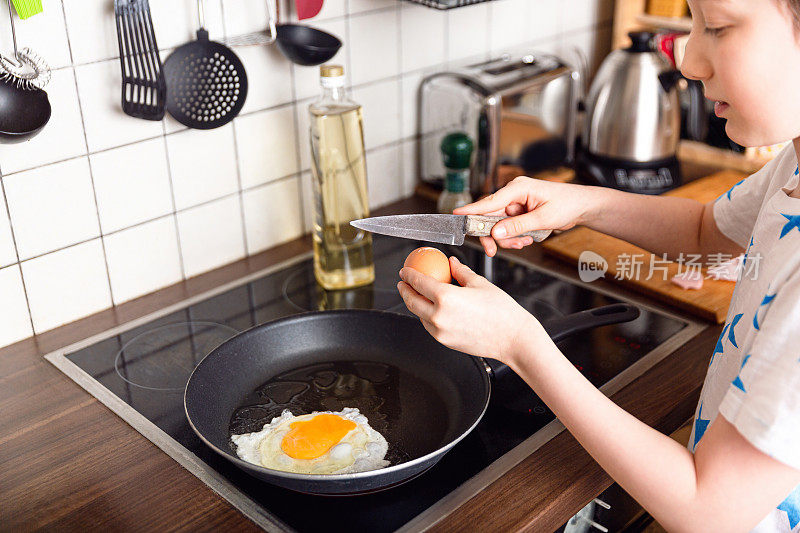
(519, 110)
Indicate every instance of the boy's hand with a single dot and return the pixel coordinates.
(532, 205)
(477, 318)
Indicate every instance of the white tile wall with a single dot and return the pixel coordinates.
(382, 123)
(468, 32)
(510, 24)
(269, 78)
(374, 46)
(131, 184)
(271, 214)
(143, 258)
(67, 284)
(306, 187)
(211, 235)
(60, 139)
(48, 31)
(410, 161)
(429, 45)
(103, 207)
(202, 165)
(105, 124)
(15, 321)
(384, 176)
(409, 95)
(8, 253)
(52, 207)
(175, 21)
(245, 16)
(267, 146)
(100, 42)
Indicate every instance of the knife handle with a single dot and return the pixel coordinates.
(481, 226)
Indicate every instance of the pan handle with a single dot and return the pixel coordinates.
(562, 327)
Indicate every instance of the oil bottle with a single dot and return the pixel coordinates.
(342, 253)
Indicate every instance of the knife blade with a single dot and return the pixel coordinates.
(442, 229)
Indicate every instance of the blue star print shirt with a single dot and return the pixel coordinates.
(753, 378)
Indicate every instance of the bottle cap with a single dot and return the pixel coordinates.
(457, 150)
(331, 71)
(331, 76)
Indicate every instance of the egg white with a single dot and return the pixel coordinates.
(360, 450)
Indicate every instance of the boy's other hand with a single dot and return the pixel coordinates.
(531, 204)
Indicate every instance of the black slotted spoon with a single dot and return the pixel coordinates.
(206, 81)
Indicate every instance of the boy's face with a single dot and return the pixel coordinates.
(747, 54)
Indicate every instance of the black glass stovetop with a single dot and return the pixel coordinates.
(148, 367)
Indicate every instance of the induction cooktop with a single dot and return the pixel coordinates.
(139, 370)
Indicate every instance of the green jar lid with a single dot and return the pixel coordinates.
(457, 150)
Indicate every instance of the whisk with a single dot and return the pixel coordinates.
(26, 69)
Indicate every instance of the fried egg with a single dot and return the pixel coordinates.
(324, 442)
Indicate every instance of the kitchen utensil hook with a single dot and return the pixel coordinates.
(15, 60)
(201, 14)
(25, 68)
(272, 14)
(259, 37)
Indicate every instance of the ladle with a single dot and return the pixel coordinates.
(301, 44)
(24, 106)
(23, 112)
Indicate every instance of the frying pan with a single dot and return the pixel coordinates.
(422, 396)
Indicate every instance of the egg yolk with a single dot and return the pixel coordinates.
(309, 439)
(430, 261)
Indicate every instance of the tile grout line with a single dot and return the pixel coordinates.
(8, 208)
(400, 103)
(446, 37)
(174, 213)
(18, 264)
(296, 119)
(561, 34)
(489, 18)
(160, 217)
(66, 34)
(239, 190)
(89, 160)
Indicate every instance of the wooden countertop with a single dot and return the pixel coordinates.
(68, 462)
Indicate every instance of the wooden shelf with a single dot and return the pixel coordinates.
(631, 15)
(666, 23)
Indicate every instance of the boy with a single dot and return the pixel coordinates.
(742, 469)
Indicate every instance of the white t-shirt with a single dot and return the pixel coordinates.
(753, 378)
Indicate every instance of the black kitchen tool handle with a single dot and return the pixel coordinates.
(696, 118)
(562, 327)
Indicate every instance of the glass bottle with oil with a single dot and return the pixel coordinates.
(342, 253)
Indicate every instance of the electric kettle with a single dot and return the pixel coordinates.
(633, 122)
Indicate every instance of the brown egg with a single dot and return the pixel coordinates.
(430, 261)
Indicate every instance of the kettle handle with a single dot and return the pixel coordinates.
(696, 119)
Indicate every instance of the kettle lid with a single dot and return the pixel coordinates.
(640, 42)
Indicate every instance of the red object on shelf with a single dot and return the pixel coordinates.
(307, 9)
(665, 42)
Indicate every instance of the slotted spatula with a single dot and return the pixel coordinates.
(144, 90)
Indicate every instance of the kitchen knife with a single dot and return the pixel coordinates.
(444, 229)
